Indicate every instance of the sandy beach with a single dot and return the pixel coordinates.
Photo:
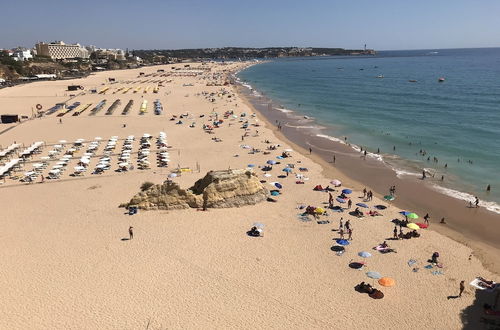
(67, 262)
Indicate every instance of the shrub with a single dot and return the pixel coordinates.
(146, 185)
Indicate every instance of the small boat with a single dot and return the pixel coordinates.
(306, 117)
(380, 76)
(412, 80)
(441, 79)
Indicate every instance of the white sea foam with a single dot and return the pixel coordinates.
(284, 110)
(331, 138)
(304, 127)
(400, 172)
(491, 206)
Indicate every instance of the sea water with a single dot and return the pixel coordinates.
(394, 102)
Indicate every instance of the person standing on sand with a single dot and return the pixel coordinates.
(349, 204)
(364, 192)
(462, 288)
(341, 233)
(477, 202)
(349, 231)
(423, 175)
(347, 225)
(130, 232)
(341, 225)
(310, 150)
(395, 231)
(426, 219)
(334, 159)
(330, 200)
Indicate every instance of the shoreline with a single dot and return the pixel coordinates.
(474, 228)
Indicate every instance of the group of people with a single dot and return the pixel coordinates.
(345, 228)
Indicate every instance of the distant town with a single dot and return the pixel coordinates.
(59, 60)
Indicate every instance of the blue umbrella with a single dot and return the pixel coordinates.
(250, 165)
(342, 242)
(287, 169)
(405, 213)
(340, 200)
(364, 254)
(347, 191)
(362, 205)
(278, 185)
(271, 162)
(375, 275)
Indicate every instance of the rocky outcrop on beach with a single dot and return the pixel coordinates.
(218, 189)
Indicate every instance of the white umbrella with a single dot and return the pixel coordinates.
(172, 175)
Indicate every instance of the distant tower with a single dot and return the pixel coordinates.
(365, 47)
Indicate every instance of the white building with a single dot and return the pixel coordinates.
(59, 50)
(22, 55)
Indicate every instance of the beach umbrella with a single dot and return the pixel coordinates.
(342, 242)
(405, 213)
(267, 175)
(362, 205)
(412, 216)
(412, 226)
(356, 265)
(336, 182)
(380, 207)
(288, 150)
(337, 209)
(319, 210)
(347, 191)
(422, 225)
(287, 169)
(337, 248)
(271, 162)
(364, 254)
(250, 165)
(386, 281)
(340, 200)
(389, 197)
(375, 275)
(278, 185)
(172, 175)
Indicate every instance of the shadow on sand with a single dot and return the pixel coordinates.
(474, 316)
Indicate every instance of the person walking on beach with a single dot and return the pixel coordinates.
(477, 202)
(364, 192)
(423, 175)
(349, 231)
(488, 189)
(130, 232)
(347, 224)
(330, 200)
(310, 150)
(395, 231)
(426, 219)
(341, 233)
(341, 224)
(462, 288)
(349, 204)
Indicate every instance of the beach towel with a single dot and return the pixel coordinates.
(437, 272)
(429, 267)
(323, 222)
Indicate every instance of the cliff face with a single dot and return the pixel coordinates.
(218, 189)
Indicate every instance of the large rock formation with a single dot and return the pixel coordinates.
(218, 189)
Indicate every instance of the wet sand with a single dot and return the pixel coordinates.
(474, 227)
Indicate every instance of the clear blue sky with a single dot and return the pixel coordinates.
(157, 24)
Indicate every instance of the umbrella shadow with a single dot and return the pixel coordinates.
(474, 316)
(452, 297)
(125, 239)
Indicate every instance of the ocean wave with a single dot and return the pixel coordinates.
(283, 110)
(490, 206)
(331, 138)
(401, 172)
(304, 127)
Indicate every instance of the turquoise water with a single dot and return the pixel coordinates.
(458, 119)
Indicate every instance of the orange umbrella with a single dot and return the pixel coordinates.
(386, 281)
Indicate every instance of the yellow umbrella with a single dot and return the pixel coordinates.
(412, 226)
(319, 210)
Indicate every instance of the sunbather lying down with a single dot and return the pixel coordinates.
(367, 288)
(255, 232)
(484, 283)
